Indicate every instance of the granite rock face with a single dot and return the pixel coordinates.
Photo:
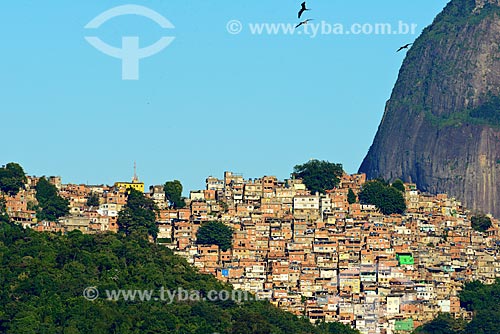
(441, 126)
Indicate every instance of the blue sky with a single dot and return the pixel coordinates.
(211, 101)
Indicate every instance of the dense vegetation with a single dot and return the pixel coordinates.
(43, 276)
(483, 301)
(481, 223)
(489, 112)
(138, 216)
(351, 197)
(51, 206)
(93, 200)
(443, 324)
(215, 233)
(319, 176)
(486, 114)
(388, 199)
(173, 192)
(399, 185)
(4, 217)
(12, 178)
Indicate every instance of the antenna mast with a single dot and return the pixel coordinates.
(135, 172)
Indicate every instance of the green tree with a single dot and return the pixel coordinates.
(12, 178)
(173, 192)
(32, 206)
(251, 323)
(399, 185)
(215, 233)
(387, 199)
(93, 200)
(51, 205)
(319, 176)
(4, 217)
(337, 328)
(351, 197)
(443, 324)
(484, 301)
(481, 222)
(138, 216)
(481, 299)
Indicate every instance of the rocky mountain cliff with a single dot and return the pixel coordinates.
(441, 126)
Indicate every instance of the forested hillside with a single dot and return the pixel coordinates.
(43, 276)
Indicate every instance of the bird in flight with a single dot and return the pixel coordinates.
(303, 22)
(303, 9)
(404, 47)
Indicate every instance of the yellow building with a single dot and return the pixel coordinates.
(135, 184)
(122, 186)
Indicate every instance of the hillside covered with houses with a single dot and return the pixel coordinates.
(318, 255)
